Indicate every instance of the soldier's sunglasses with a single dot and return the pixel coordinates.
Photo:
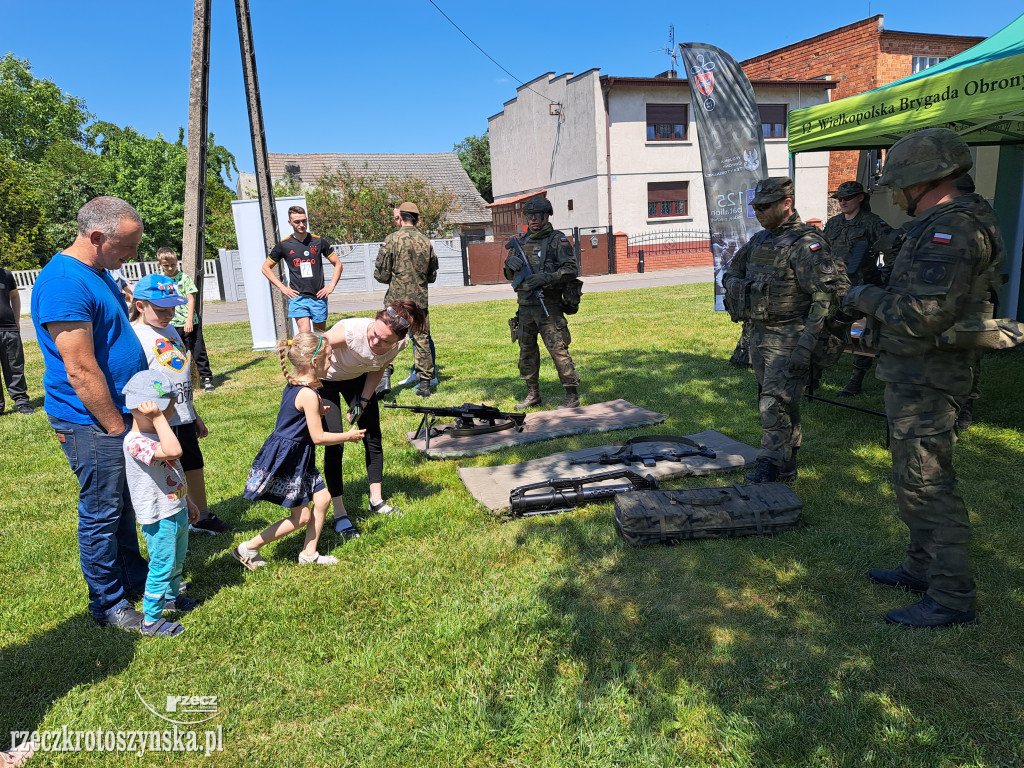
(762, 206)
(533, 216)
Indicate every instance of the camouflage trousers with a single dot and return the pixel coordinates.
(779, 393)
(554, 330)
(922, 435)
(422, 350)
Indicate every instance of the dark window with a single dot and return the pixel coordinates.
(667, 122)
(773, 120)
(570, 204)
(667, 198)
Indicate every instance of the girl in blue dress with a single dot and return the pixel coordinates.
(284, 471)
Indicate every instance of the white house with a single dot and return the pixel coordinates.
(623, 151)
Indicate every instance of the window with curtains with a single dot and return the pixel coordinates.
(773, 120)
(667, 198)
(667, 122)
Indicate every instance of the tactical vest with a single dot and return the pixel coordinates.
(775, 295)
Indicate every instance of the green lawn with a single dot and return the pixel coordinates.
(448, 638)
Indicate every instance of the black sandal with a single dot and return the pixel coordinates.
(345, 528)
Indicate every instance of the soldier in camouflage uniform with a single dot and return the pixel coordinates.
(939, 281)
(784, 281)
(407, 263)
(553, 264)
(855, 236)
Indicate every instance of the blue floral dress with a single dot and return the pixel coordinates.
(284, 471)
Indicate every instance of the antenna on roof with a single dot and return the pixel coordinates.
(671, 51)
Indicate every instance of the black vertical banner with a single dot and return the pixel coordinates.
(731, 149)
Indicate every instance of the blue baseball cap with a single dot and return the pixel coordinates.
(158, 290)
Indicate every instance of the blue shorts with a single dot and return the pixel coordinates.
(303, 306)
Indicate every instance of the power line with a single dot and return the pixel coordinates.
(485, 53)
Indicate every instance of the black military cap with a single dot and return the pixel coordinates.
(849, 189)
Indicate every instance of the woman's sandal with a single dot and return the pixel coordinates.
(383, 508)
(161, 628)
(317, 559)
(344, 527)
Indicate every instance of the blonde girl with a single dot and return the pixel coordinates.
(284, 471)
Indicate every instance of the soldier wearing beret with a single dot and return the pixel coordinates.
(553, 265)
(856, 236)
(785, 282)
(939, 285)
(406, 262)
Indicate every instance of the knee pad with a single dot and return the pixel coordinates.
(773, 414)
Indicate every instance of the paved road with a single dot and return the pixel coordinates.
(237, 311)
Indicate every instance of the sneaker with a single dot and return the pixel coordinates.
(123, 616)
(180, 604)
(26, 409)
(423, 390)
(250, 558)
(344, 527)
(383, 508)
(161, 628)
(211, 526)
(208, 385)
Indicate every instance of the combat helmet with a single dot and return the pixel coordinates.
(538, 205)
(928, 155)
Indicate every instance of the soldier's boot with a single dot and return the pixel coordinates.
(572, 399)
(853, 386)
(384, 387)
(787, 472)
(532, 398)
(766, 472)
(965, 418)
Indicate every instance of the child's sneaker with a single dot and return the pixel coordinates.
(180, 604)
(161, 628)
(211, 526)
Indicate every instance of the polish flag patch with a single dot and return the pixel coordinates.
(942, 237)
(815, 246)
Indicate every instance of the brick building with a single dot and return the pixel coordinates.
(860, 57)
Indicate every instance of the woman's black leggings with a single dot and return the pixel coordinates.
(338, 395)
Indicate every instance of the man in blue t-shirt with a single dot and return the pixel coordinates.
(90, 352)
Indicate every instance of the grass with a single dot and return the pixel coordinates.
(448, 638)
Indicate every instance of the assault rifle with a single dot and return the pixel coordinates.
(470, 419)
(562, 493)
(524, 272)
(626, 455)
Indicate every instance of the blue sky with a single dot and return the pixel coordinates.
(372, 77)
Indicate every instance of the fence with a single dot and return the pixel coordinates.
(133, 272)
(357, 262)
(669, 249)
(484, 256)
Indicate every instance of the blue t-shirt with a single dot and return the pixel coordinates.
(69, 291)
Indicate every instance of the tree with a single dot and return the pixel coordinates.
(22, 217)
(35, 114)
(347, 206)
(475, 154)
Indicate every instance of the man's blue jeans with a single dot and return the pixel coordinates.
(108, 543)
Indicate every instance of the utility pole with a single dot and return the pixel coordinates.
(193, 239)
(264, 185)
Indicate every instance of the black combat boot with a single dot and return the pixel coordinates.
(787, 472)
(765, 472)
(965, 418)
(384, 387)
(852, 387)
(532, 398)
(572, 399)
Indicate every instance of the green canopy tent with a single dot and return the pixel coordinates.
(978, 93)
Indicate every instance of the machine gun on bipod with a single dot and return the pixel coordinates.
(628, 454)
(562, 493)
(470, 419)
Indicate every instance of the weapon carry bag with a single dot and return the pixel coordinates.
(669, 517)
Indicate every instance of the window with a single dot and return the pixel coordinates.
(923, 62)
(667, 122)
(667, 198)
(773, 120)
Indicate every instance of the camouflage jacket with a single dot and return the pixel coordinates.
(950, 251)
(845, 237)
(549, 252)
(802, 267)
(406, 262)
